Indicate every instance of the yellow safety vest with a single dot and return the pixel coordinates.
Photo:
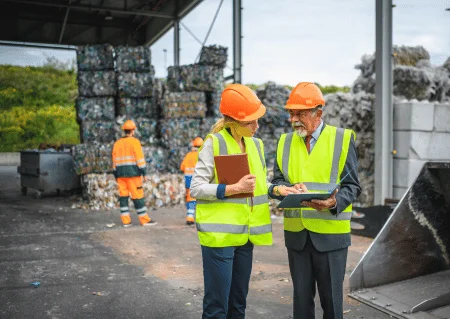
(232, 221)
(319, 171)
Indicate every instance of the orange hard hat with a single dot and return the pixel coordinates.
(197, 142)
(306, 95)
(241, 103)
(129, 125)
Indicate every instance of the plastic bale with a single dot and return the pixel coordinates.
(97, 83)
(214, 55)
(147, 131)
(92, 158)
(179, 133)
(161, 190)
(184, 104)
(155, 157)
(133, 84)
(95, 57)
(137, 107)
(94, 109)
(98, 131)
(194, 77)
(133, 59)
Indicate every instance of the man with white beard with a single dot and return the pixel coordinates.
(317, 235)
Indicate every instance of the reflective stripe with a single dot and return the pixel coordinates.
(319, 186)
(142, 165)
(121, 158)
(286, 152)
(141, 160)
(140, 210)
(259, 230)
(291, 213)
(314, 214)
(125, 163)
(223, 228)
(336, 155)
(124, 213)
(124, 209)
(258, 200)
(258, 146)
(223, 149)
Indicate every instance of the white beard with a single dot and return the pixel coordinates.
(300, 131)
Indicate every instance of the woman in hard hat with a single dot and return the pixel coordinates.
(188, 166)
(228, 228)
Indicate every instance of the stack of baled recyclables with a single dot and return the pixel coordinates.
(191, 103)
(126, 90)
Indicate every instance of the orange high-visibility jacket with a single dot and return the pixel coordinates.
(189, 162)
(128, 158)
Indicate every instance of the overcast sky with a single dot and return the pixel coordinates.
(294, 40)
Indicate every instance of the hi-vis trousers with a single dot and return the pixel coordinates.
(132, 186)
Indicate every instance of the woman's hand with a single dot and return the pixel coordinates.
(301, 187)
(246, 184)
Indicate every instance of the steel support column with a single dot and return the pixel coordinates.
(176, 42)
(237, 41)
(383, 102)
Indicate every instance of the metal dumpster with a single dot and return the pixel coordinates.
(47, 170)
(406, 270)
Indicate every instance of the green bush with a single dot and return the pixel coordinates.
(36, 86)
(25, 128)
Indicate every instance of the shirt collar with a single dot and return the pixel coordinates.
(316, 133)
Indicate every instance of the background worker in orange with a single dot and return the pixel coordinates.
(188, 166)
(129, 171)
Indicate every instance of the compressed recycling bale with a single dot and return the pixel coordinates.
(356, 112)
(406, 55)
(160, 191)
(179, 133)
(92, 158)
(156, 159)
(137, 107)
(95, 57)
(99, 131)
(175, 157)
(206, 125)
(133, 84)
(214, 55)
(95, 108)
(97, 83)
(147, 131)
(194, 77)
(272, 94)
(213, 102)
(133, 59)
(184, 104)
(411, 82)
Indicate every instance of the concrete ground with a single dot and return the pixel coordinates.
(88, 268)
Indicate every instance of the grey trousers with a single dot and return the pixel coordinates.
(310, 266)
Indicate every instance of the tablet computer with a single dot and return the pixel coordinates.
(295, 200)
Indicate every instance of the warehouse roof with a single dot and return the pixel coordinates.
(77, 22)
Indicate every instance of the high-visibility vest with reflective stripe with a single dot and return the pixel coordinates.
(319, 171)
(233, 221)
(189, 162)
(127, 157)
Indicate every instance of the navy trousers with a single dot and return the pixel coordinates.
(226, 273)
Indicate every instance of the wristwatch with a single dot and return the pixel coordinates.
(276, 190)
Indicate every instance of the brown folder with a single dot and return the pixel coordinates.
(230, 169)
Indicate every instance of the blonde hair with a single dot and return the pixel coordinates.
(226, 122)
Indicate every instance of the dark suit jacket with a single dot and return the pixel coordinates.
(348, 192)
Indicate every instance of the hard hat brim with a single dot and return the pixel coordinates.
(259, 113)
(300, 106)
